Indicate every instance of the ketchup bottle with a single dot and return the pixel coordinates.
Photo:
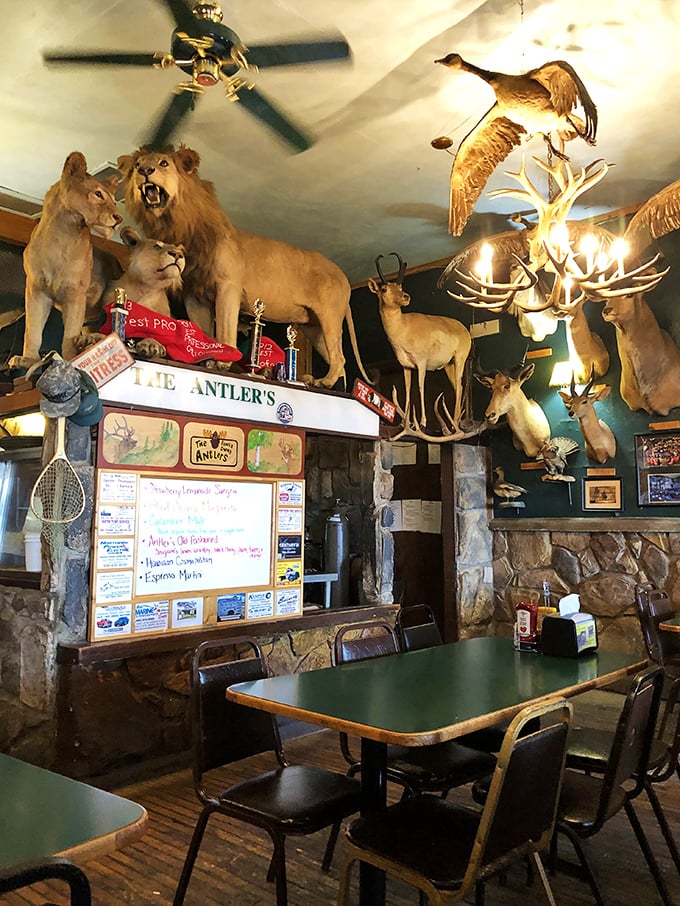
(527, 621)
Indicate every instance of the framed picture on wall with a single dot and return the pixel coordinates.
(602, 494)
(657, 464)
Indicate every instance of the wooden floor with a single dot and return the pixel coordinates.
(232, 865)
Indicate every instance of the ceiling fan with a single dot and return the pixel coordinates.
(210, 53)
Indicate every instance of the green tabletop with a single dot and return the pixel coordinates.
(424, 697)
(45, 814)
(672, 624)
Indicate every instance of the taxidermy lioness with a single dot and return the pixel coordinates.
(58, 259)
(227, 268)
(154, 269)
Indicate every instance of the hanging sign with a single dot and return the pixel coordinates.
(374, 400)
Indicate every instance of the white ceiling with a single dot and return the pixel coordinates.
(372, 183)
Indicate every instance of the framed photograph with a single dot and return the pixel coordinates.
(657, 463)
(603, 494)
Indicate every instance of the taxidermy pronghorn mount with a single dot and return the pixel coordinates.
(600, 442)
(422, 342)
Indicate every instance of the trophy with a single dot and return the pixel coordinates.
(291, 353)
(256, 337)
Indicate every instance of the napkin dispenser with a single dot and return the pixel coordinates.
(569, 635)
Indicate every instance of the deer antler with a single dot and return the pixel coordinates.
(625, 283)
(496, 297)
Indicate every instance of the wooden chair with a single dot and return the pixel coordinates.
(588, 801)
(417, 628)
(427, 769)
(447, 850)
(291, 800)
(56, 869)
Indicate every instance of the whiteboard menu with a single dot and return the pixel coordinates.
(194, 535)
(174, 551)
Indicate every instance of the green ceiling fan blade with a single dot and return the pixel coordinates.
(101, 58)
(183, 15)
(257, 105)
(294, 53)
(167, 123)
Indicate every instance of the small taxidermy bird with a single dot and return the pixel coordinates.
(554, 454)
(540, 101)
(506, 490)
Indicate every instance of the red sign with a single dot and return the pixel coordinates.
(374, 400)
(104, 360)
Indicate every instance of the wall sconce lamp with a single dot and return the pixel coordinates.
(562, 374)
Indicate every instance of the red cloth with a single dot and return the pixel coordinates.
(183, 340)
(270, 354)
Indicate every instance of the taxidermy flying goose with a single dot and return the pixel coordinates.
(539, 102)
(506, 489)
(657, 217)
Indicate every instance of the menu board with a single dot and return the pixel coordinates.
(194, 535)
(176, 551)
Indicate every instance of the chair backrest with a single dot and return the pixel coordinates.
(223, 731)
(363, 641)
(629, 756)
(667, 748)
(521, 806)
(653, 608)
(417, 628)
(56, 868)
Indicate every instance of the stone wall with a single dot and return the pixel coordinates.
(358, 474)
(602, 567)
(34, 622)
(126, 719)
(472, 542)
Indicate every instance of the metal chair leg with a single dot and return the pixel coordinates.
(330, 847)
(281, 879)
(648, 854)
(585, 864)
(536, 861)
(192, 852)
(663, 824)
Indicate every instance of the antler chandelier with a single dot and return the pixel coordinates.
(551, 264)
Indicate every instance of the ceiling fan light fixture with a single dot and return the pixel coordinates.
(206, 71)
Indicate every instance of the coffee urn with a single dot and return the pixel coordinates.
(336, 555)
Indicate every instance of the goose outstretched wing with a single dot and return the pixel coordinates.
(658, 216)
(480, 152)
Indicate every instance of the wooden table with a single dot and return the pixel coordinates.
(45, 814)
(424, 697)
(671, 625)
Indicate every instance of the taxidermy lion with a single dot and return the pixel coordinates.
(155, 269)
(227, 268)
(61, 270)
